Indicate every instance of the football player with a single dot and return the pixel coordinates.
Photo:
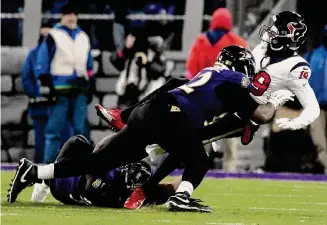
(109, 189)
(173, 120)
(280, 67)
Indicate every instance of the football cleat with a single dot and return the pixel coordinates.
(181, 202)
(136, 200)
(19, 182)
(111, 116)
(40, 192)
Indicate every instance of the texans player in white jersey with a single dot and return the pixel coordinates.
(280, 67)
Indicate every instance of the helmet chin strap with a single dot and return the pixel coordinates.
(246, 71)
(279, 52)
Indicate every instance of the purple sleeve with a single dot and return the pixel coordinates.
(234, 77)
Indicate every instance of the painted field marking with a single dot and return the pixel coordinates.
(266, 195)
(192, 222)
(9, 214)
(286, 209)
(302, 203)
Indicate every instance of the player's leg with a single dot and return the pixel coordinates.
(124, 147)
(173, 131)
(191, 152)
(75, 145)
(181, 139)
(117, 119)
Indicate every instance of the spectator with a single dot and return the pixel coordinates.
(318, 81)
(142, 61)
(64, 68)
(204, 53)
(207, 45)
(38, 107)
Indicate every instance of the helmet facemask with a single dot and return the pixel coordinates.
(282, 38)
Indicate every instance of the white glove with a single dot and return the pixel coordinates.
(280, 97)
(289, 124)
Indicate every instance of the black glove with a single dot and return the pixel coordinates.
(248, 133)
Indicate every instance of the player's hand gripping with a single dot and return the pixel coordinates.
(279, 98)
(289, 124)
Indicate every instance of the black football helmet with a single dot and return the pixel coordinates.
(238, 59)
(285, 31)
(136, 174)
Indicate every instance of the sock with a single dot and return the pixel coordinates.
(45, 172)
(185, 186)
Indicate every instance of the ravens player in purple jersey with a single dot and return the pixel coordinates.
(171, 119)
(110, 189)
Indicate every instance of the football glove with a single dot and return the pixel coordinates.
(279, 98)
(289, 124)
(248, 133)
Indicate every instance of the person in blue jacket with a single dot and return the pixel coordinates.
(65, 70)
(38, 107)
(318, 81)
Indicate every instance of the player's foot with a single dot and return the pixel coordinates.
(20, 182)
(111, 116)
(181, 202)
(40, 192)
(136, 200)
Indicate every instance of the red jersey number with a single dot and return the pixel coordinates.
(260, 83)
(304, 74)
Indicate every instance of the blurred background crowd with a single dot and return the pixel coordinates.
(123, 50)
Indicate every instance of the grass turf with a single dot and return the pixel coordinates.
(234, 202)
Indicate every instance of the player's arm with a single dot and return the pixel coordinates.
(299, 85)
(235, 95)
(237, 99)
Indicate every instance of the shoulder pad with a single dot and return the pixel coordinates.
(299, 65)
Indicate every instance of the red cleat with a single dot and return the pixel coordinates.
(111, 116)
(136, 200)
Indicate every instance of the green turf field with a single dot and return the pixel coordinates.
(233, 202)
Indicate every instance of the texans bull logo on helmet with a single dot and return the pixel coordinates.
(297, 30)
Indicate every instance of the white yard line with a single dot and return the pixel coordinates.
(263, 188)
(9, 214)
(286, 209)
(192, 222)
(302, 203)
(266, 195)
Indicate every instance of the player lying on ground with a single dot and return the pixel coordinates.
(173, 120)
(110, 189)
